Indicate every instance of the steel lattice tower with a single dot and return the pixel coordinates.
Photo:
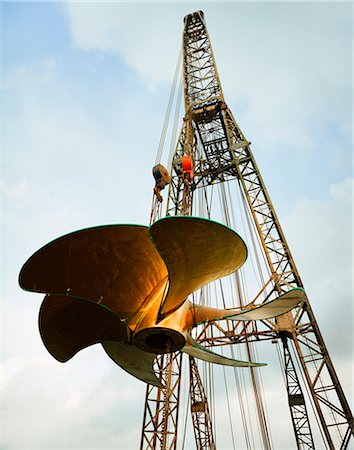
(220, 151)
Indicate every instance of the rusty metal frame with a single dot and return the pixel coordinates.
(202, 425)
(160, 422)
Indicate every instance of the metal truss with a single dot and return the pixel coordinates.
(297, 405)
(222, 153)
(202, 425)
(161, 405)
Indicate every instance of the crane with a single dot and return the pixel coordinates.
(213, 153)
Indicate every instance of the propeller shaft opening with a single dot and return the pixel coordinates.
(159, 340)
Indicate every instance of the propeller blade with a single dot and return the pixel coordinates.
(115, 265)
(277, 307)
(68, 325)
(196, 251)
(134, 361)
(192, 348)
(198, 314)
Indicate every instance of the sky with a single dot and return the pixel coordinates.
(84, 90)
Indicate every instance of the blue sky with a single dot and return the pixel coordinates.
(84, 92)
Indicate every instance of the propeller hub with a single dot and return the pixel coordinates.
(159, 340)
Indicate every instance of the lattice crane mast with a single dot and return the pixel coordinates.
(211, 150)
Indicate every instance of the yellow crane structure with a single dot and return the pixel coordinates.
(212, 169)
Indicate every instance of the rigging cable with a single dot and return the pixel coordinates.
(229, 409)
(252, 232)
(257, 388)
(259, 267)
(168, 111)
(174, 142)
(185, 420)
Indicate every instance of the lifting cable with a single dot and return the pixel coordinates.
(239, 394)
(229, 409)
(294, 353)
(168, 111)
(239, 387)
(252, 231)
(174, 143)
(245, 414)
(185, 419)
(255, 377)
(259, 268)
(257, 250)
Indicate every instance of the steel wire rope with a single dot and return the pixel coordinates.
(240, 398)
(242, 386)
(263, 402)
(246, 433)
(257, 382)
(254, 237)
(279, 355)
(244, 411)
(174, 142)
(185, 417)
(229, 409)
(257, 391)
(212, 397)
(224, 374)
(241, 281)
(255, 351)
(209, 369)
(262, 252)
(244, 414)
(257, 385)
(223, 368)
(203, 199)
(168, 111)
(248, 236)
(264, 259)
(239, 278)
(211, 384)
(240, 291)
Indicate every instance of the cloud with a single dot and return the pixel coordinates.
(320, 234)
(289, 97)
(69, 406)
(273, 62)
(120, 29)
(80, 133)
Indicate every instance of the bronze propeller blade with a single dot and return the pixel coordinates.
(126, 286)
(69, 324)
(196, 251)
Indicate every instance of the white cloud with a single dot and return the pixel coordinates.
(320, 235)
(67, 167)
(64, 406)
(121, 29)
(274, 61)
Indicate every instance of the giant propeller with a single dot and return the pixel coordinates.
(126, 287)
